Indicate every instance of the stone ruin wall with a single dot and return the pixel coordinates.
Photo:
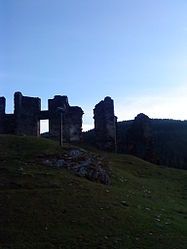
(71, 119)
(105, 125)
(140, 140)
(27, 115)
(26, 112)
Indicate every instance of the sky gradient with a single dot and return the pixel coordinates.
(132, 50)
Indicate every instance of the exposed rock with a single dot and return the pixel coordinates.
(59, 163)
(75, 153)
(83, 164)
(124, 203)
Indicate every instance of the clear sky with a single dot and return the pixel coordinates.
(132, 50)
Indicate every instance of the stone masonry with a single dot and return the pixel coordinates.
(140, 140)
(27, 115)
(71, 119)
(105, 125)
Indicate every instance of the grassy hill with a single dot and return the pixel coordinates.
(43, 207)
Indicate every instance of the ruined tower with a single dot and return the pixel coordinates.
(139, 138)
(27, 110)
(105, 124)
(71, 119)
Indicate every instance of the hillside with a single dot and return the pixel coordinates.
(47, 207)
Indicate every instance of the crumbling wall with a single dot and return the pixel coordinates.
(75, 123)
(9, 124)
(57, 105)
(2, 114)
(7, 121)
(71, 119)
(27, 110)
(105, 125)
(140, 141)
(27, 115)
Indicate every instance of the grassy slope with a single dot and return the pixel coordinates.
(42, 207)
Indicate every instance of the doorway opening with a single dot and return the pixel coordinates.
(44, 127)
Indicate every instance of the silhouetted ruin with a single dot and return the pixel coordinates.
(149, 139)
(27, 115)
(62, 118)
(140, 141)
(105, 125)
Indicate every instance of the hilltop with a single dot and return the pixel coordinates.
(49, 207)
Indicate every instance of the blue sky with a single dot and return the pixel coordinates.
(133, 50)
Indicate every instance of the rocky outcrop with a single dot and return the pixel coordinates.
(81, 163)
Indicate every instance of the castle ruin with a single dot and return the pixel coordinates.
(105, 125)
(63, 119)
(27, 115)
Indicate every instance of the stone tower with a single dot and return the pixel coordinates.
(71, 119)
(105, 125)
(26, 112)
(140, 140)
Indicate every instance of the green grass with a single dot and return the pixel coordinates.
(42, 207)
